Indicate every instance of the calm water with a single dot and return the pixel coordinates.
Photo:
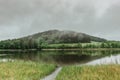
(64, 57)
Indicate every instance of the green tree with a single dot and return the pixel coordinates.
(41, 43)
(79, 45)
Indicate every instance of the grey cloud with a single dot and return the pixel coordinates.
(23, 17)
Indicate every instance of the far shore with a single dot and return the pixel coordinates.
(18, 49)
(77, 49)
(52, 49)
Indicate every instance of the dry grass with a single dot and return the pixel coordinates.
(102, 72)
(20, 70)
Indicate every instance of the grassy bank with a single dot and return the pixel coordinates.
(20, 70)
(91, 45)
(102, 72)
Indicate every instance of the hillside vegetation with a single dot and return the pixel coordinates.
(44, 39)
(56, 36)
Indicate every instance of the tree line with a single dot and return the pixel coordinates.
(22, 44)
(103, 45)
(40, 44)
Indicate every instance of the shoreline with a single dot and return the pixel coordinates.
(52, 49)
(18, 50)
(77, 49)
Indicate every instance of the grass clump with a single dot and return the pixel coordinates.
(20, 70)
(101, 72)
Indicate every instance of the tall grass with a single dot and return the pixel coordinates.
(101, 72)
(20, 70)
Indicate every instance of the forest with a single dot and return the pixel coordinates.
(41, 44)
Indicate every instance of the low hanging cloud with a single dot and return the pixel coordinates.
(24, 17)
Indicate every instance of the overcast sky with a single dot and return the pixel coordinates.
(19, 18)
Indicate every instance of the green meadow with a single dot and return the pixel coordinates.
(92, 45)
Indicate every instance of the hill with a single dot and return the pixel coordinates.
(44, 39)
(56, 36)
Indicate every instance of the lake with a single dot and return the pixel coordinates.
(62, 58)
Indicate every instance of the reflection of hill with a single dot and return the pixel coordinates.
(59, 57)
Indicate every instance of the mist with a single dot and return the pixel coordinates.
(20, 18)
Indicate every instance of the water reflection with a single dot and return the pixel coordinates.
(113, 59)
(64, 57)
